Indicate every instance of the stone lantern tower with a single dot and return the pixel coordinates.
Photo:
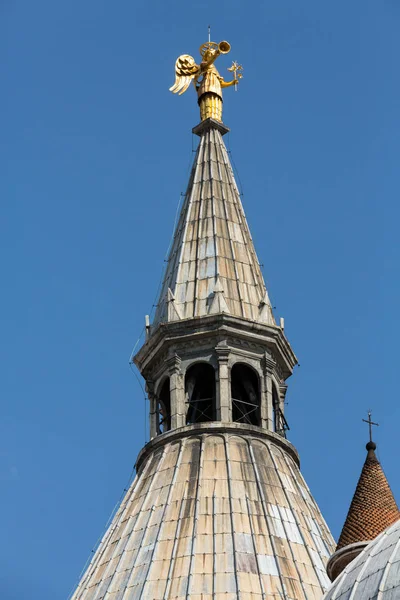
(214, 352)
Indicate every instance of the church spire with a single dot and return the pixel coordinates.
(214, 351)
(225, 358)
(212, 246)
(219, 508)
(372, 509)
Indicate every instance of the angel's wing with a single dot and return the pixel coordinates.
(185, 70)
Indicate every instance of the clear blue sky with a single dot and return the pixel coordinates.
(94, 153)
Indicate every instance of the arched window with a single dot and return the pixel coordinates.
(200, 393)
(280, 424)
(164, 408)
(245, 391)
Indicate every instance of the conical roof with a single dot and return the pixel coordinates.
(216, 512)
(212, 251)
(373, 507)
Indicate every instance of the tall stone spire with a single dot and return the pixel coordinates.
(372, 509)
(219, 509)
(214, 307)
(212, 245)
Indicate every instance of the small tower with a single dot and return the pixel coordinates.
(215, 353)
(219, 508)
(372, 509)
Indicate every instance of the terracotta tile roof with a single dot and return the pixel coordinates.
(373, 507)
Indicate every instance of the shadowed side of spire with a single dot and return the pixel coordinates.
(373, 508)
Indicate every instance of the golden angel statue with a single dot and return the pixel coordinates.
(208, 82)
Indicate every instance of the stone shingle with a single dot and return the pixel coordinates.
(222, 515)
(212, 244)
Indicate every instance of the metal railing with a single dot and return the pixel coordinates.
(246, 411)
(200, 414)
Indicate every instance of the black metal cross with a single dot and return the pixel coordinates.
(370, 423)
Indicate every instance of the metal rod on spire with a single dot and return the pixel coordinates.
(209, 33)
(370, 423)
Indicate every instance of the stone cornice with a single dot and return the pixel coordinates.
(204, 126)
(173, 363)
(212, 429)
(223, 351)
(198, 329)
(341, 558)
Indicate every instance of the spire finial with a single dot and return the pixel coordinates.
(207, 81)
(371, 445)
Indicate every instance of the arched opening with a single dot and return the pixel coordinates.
(200, 393)
(280, 424)
(164, 408)
(245, 391)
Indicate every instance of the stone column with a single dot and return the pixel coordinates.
(282, 395)
(153, 409)
(178, 411)
(224, 400)
(263, 400)
(267, 411)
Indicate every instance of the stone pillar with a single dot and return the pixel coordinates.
(178, 411)
(153, 409)
(282, 395)
(263, 401)
(267, 410)
(224, 400)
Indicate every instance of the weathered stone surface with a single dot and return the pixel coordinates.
(212, 248)
(216, 512)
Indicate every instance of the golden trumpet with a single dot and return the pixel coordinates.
(224, 47)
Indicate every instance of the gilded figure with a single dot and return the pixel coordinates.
(206, 79)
